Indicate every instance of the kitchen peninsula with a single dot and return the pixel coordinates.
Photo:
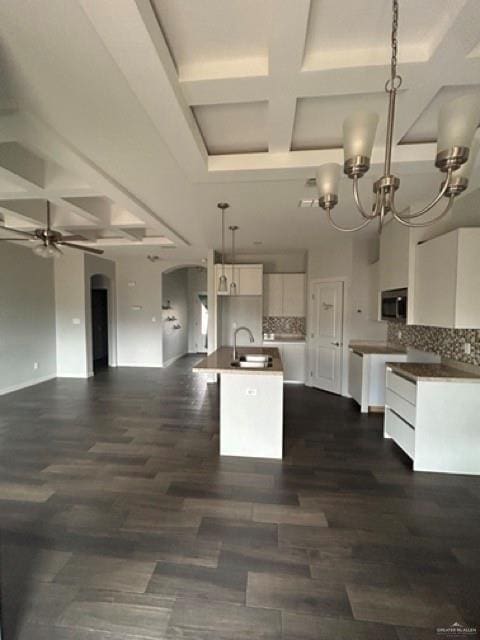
(251, 400)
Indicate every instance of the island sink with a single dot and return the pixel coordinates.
(253, 361)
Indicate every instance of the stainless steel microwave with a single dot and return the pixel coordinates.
(395, 305)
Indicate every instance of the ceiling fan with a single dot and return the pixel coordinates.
(49, 240)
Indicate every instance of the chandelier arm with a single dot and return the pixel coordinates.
(335, 226)
(356, 197)
(436, 200)
(429, 222)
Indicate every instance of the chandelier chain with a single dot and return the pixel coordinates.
(395, 79)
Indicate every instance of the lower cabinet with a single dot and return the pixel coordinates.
(366, 378)
(293, 359)
(435, 422)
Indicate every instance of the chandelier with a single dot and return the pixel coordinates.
(457, 123)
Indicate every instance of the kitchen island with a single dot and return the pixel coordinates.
(251, 402)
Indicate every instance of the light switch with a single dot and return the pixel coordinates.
(75, 320)
(251, 392)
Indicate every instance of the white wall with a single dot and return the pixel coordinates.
(197, 283)
(175, 291)
(291, 262)
(347, 257)
(70, 313)
(139, 331)
(27, 318)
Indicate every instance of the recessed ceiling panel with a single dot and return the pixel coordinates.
(216, 38)
(425, 127)
(233, 128)
(318, 121)
(349, 34)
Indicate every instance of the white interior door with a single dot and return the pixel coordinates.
(326, 336)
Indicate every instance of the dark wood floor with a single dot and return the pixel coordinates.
(120, 521)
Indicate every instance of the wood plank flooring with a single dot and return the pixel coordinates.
(119, 521)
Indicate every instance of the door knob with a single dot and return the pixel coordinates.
(335, 344)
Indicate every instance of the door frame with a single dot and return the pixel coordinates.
(344, 359)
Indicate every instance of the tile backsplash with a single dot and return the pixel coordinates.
(448, 343)
(284, 324)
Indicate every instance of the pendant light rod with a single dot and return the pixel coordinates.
(458, 121)
(222, 282)
(233, 284)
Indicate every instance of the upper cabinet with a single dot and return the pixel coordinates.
(394, 256)
(447, 280)
(248, 277)
(284, 294)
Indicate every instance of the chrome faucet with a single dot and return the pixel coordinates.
(252, 339)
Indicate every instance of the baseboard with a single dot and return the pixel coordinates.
(74, 375)
(167, 363)
(27, 383)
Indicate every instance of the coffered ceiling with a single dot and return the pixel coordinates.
(158, 109)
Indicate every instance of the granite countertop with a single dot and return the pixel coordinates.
(367, 348)
(285, 337)
(220, 361)
(418, 371)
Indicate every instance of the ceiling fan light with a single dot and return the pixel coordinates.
(359, 131)
(54, 251)
(457, 122)
(41, 251)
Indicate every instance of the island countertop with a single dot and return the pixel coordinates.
(220, 361)
(431, 371)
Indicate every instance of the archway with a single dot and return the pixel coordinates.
(185, 311)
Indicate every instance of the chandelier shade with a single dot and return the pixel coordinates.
(359, 131)
(457, 122)
(328, 177)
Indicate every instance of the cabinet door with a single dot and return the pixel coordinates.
(294, 362)
(251, 280)
(394, 256)
(273, 294)
(435, 282)
(294, 294)
(228, 273)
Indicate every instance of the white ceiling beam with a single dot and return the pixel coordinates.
(21, 166)
(226, 90)
(286, 47)
(97, 210)
(136, 43)
(42, 139)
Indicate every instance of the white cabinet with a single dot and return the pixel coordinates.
(434, 421)
(366, 378)
(394, 256)
(248, 277)
(284, 294)
(447, 280)
(293, 355)
(273, 294)
(294, 294)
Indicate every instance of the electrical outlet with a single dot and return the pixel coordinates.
(467, 348)
(154, 318)
(251, 392)
(35, 365)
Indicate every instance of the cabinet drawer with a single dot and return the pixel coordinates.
(405, 409)
(402, 387)
(401, 432)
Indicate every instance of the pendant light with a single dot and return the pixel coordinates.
(233, 284)
(456, 152)
(222, 281)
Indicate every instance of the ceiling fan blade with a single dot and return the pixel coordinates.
(79, 246)
(72, 238)
(16, 239)
(22, 233)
